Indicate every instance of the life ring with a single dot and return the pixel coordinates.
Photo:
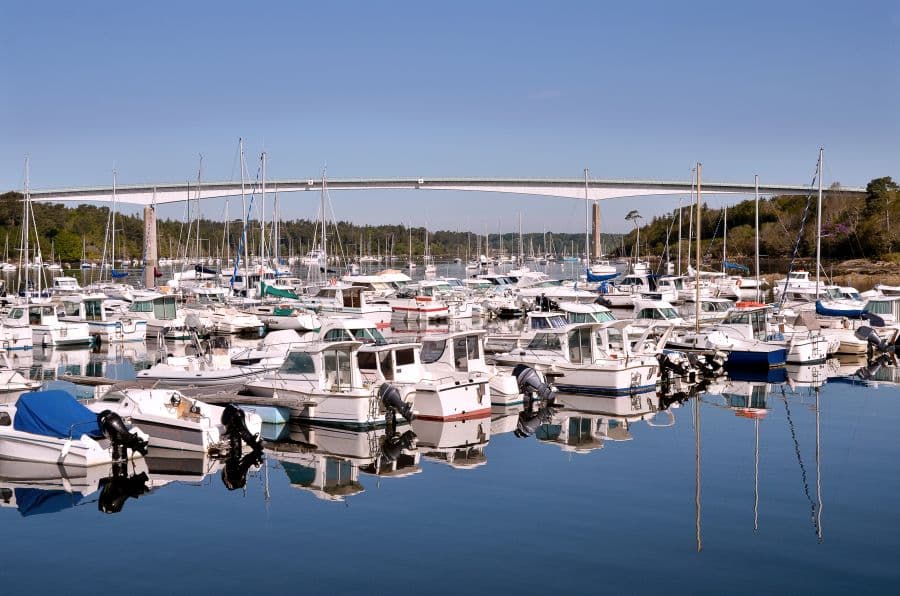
(333, 281)
(737, 282)
(424, 298)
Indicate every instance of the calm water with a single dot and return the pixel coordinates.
(590, 502)
(602, 497)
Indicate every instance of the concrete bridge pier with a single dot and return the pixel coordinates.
(150, 255)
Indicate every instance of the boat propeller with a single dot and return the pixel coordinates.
(530, 383)
(235, 421)
(121, 437)
(393, 403)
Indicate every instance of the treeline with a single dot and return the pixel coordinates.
(852, 227)
(68, 230)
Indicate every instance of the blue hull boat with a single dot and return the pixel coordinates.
(757, 359)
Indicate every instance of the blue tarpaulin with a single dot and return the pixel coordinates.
(736, 266)
(35, 501)
(595, 277)
(55, 414)
(119, 274)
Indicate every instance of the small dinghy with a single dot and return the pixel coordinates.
(53, 427)
(175, 421)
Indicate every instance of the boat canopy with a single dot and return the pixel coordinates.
(55, 413)
(270, 290)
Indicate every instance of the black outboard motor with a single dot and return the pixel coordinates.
(234, 474)
(393, 403)
(235, 421)
(874, 342)
(120, 487)
(531, 385)
(119, 435)
(529, 420)
(395, 444)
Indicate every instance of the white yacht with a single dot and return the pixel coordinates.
(46, 327)
(102, 321)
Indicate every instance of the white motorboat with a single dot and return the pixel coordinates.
(53, 427)
(321, 382)
(285, 315)
(204, 368)
(457, 443)
(46, 327)
(175, 421)
(102, 322)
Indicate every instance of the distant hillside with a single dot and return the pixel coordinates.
(68, 227)
(851, 227)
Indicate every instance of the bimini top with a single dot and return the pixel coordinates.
(55, 413)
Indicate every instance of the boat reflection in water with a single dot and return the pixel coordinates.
(584, 423)
(36, 489)
(328, 461)
(458, 443)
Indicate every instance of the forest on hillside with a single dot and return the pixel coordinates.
(852, 227)
(68, 230)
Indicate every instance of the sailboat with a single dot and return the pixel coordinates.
(7, 266)
(429, 260)
(410, 264)
(84, 262)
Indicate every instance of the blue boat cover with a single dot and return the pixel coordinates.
(851, 313)
(594, 277)
(55, 413)
(119, 274)
(35, 501)
(736, 266)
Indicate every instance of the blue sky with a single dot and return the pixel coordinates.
(522, 89)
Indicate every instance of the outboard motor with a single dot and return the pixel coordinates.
(874, 342)
(235, 421)
(676, 364)
(121, 437)
(531, 385)
(395, 444)
(120, 487)
(393, 403)
(234, 474)
(529, 420)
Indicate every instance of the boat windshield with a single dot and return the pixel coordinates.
(544, 341)
(432, 351)
(553, 322)
(298, 363)
(876, 307)
(368, 335)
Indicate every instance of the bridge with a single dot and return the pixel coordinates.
(573, 188)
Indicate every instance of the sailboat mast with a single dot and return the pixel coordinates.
(324, 227)
(679, 236)
(756, 202)
(245, 217)
(112, 246)
(819, 222)
(262, 216)
(587, 222)
(724, 237)
(697, 256)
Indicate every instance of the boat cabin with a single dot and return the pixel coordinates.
(751, 323)
(65, 285)
(88, 308)
(160, 307)
(885, 307)
(546, 320)
(656, 311)
(346, 328)
(577, 312)
(462, 351)
(331, 366)
(391, 362)
(204, 296)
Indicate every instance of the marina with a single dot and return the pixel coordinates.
(450, 298)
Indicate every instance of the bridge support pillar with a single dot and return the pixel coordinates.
(595, 229)
(150, 256)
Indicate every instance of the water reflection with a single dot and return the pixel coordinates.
(327, 462)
